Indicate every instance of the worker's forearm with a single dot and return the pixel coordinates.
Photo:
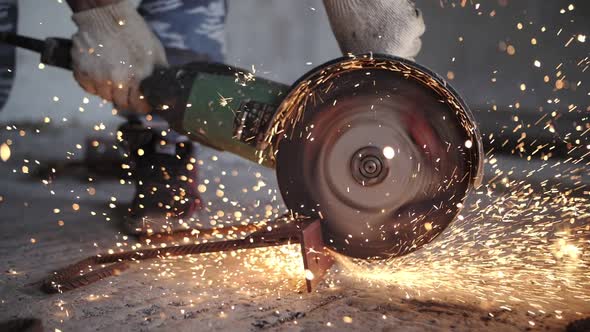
(81, 5)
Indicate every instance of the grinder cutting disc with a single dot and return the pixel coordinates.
(381, 149)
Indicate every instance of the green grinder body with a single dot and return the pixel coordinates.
(220, 106)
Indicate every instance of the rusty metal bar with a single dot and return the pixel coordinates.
(308, 233)
(316, 259)
(196, 234)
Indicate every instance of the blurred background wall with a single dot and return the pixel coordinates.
(486, 48)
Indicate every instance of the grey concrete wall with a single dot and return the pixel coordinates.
(479, 57)
(280, 38)
(283, 38)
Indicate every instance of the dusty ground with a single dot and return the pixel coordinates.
(252, 291)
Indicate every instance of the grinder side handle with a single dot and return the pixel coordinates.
(54, 51)
(57, 53)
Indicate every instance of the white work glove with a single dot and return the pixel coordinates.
(379, 26)
(113, 51)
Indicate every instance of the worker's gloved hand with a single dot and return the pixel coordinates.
(379, 26)
(113, 51)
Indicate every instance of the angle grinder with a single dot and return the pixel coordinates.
(380, 149)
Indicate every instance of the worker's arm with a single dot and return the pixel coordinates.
(379, 26)
(113, 50)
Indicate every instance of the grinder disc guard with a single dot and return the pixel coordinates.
(380, 149)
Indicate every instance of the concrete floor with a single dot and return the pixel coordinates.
(251, 290)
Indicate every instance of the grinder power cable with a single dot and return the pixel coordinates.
(374, 154)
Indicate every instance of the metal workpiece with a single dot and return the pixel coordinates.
(316, 259)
